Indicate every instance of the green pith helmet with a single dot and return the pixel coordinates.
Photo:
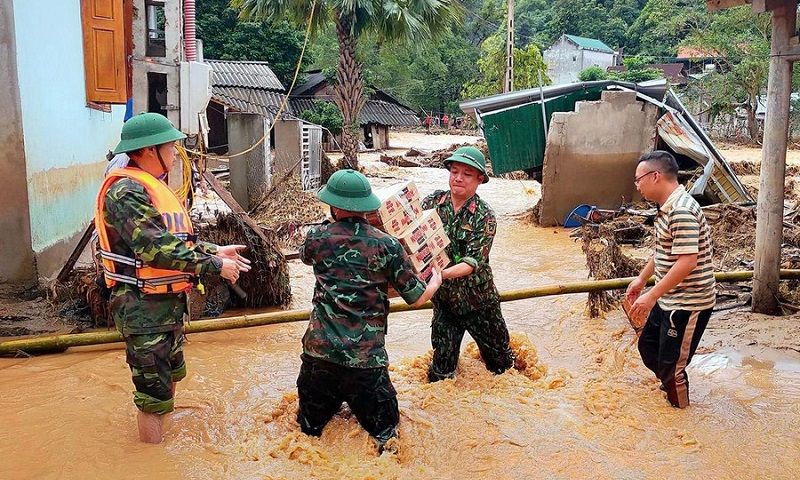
(146, 130)
(469, 156)
(349, 190)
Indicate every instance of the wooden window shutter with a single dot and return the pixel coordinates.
(104, 51)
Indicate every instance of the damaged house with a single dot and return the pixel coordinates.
(586, 138)
(72, 72)
(380, 112)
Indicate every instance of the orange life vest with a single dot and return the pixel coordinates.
(149, 280)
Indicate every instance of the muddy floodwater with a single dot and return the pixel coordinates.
(582, 405)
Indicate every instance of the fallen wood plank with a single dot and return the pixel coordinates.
(67, 268)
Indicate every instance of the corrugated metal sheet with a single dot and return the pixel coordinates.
(726, 176)
(374, 111)
(654, 89)
(716, 182)
(515, 136)
(250, 100)
(313, 79)
(243, 74)
(682, 140)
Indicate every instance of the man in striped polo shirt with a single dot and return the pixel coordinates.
(681, 301)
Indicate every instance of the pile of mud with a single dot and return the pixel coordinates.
(748, 167)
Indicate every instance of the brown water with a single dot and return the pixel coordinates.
(583, 407)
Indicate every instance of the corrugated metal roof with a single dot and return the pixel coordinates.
(243, 74)
(590, 44)
(314, 78)
(250, 100)
(374, 111)
(654, 89)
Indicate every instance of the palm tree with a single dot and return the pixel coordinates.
(388, 20)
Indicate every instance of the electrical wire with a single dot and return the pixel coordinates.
(285, 98)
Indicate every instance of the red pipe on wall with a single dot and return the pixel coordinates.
(189, 30)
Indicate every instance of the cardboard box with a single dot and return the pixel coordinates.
(439, 260)
(396, 198)
(426, 253)
(418, 233)
(397, 224)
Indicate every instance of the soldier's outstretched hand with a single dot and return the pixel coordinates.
(232, 252)
(230, 270)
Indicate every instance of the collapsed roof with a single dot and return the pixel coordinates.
(513, 125)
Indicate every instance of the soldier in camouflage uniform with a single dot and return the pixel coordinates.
(468, 299)
(152, 324)
(344, 359)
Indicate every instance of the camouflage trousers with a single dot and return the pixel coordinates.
(323, 386)
(156, 361)
(486, 326)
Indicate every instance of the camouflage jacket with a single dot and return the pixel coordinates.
(471, 231)
(354, 263)
(136, 228)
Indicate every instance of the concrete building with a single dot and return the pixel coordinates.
(570, 55)
(72, 72)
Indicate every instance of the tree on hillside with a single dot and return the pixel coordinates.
(586, 18)
(662, 25)
(740, 40)
(387, 20)
(225, 37)
(528, 63)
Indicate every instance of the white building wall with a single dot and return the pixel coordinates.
(565, 61)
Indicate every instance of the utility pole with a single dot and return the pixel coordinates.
(508, 84)
(769, 212)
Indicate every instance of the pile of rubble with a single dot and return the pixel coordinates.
(619, 248)
(266, 284)
(288, 211)
(435, 159)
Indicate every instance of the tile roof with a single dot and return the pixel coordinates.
(243, 74)
(250, 100)
(374, 111)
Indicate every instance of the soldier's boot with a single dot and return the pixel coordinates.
(150, 425)
(387, 440)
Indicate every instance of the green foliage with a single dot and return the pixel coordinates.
(326, 114)
(636, 70)
(528, 63)
(591, 74)
(740, 40)
(225, 37)
(663, 24)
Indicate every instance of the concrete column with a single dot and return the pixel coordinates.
(251, 172)
(17, 263)
(769, 226)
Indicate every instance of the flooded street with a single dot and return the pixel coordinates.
(584, 406)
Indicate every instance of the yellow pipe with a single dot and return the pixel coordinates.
(62, 342)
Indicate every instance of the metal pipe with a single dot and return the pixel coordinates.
(55, 343)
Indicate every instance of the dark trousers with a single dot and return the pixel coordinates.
(486, 326)
(667, 344)
(323, 386)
